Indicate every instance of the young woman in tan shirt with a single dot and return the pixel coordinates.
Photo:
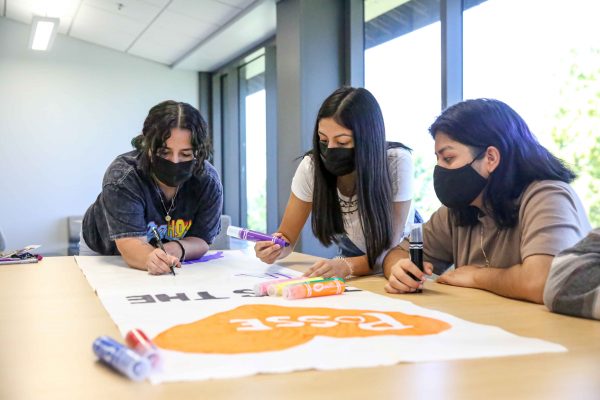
(508, 208)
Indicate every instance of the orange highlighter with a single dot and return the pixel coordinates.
(325, 287)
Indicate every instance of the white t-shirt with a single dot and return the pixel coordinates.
(400, 168)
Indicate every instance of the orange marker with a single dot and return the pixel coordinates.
(325, 287)
(276, 288)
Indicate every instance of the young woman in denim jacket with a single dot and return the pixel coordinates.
(166, 184)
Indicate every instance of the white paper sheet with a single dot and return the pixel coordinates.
(355, 329)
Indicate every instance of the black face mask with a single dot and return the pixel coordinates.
(170, 173)
(457, 187)
(338, 161)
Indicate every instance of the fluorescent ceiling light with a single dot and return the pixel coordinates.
(43, 32)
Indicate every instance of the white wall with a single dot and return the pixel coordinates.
(64, 116)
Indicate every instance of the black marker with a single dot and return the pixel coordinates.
(157, 236)
(416, 249)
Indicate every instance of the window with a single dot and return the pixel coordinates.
(543, 59)
(403, 71)
(254, 142)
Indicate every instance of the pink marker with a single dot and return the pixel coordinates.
(260, 289)
(137, 340)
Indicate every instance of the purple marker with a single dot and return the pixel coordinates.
(253, 236)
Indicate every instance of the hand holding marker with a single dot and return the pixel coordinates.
(253, 236)
(160, 245)
(416, 249)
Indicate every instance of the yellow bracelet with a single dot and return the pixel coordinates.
(348, 265)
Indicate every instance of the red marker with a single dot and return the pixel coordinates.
(137, 340)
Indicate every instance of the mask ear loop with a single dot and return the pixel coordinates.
(477, 156)
(470, 164)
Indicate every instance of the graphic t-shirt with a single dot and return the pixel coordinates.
(130, 204)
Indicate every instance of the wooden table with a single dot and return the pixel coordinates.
(49, 317)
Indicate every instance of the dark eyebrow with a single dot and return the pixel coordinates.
(170, 149)
(443, 149)
(336, 136)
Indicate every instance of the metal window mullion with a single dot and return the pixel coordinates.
(452, 51)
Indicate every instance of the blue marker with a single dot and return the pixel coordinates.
(121, 358)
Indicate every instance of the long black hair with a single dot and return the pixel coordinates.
(481, 123)
(157, 129)
(355, 109)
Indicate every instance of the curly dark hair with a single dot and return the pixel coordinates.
(157, 129)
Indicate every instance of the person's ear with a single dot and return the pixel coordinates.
(491, 159)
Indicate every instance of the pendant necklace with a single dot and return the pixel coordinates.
(171, 207)
(487, 262)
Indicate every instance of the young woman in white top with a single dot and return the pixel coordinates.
(357, 186)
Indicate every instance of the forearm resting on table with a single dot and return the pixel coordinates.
(522, 281)
(134, 251)
(194, 248)
(360, 265)
(393, 256)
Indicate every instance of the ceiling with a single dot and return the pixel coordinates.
(375, 8)
(199, 35)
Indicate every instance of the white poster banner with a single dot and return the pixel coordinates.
(209, 324)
